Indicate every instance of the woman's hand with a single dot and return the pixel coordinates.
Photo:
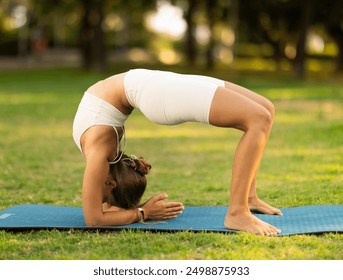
(158, 209)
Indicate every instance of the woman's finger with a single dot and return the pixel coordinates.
(159, 198)
(173, 204)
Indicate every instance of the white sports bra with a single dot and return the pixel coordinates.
(93, 111)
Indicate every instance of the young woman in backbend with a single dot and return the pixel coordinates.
(114, 183)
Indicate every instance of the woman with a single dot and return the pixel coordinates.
(167, 98)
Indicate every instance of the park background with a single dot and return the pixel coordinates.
(289, 51)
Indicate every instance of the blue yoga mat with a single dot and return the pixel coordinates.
(295, 220)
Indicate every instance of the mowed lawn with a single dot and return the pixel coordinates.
(40, 164)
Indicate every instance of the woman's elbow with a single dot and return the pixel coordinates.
(93, 221)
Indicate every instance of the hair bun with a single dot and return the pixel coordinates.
(142, 166)
(138, 164)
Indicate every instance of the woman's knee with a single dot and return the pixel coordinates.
(270, 107)
(261, 120)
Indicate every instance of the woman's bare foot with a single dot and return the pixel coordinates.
(249, 223)
(259, 206)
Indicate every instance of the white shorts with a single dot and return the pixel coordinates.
(169, 98)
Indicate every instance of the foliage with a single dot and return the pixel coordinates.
(98, 26)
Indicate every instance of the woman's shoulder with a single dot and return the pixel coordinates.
(99, 139)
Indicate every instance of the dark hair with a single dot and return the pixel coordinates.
(130, 181)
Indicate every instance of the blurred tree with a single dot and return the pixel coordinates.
(211, 7)
(133, 14)
(219, 14)
(92, 37)
(280, 23)
(54, 16)
(96, 26)
(15, 19)
(268, 22)
(200, 13)
(190, 42)
(89, 29)
(330, 15)
(304, 24)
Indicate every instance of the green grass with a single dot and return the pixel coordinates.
(40, 163)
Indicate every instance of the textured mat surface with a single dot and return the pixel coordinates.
(296, 220)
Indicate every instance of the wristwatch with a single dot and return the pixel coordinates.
(142, 216)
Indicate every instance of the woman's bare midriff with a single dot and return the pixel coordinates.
(112, 90)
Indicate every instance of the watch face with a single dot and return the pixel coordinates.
(142, 213)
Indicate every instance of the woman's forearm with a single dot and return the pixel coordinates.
(114, 218)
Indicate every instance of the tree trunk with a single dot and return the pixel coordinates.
(339, 61)
(277, 45)
(337, 34)
(92, 42)
(190, 46)
(210, 7)
(300, 59)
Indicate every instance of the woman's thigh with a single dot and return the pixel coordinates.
(231, 108)
(251, 95)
